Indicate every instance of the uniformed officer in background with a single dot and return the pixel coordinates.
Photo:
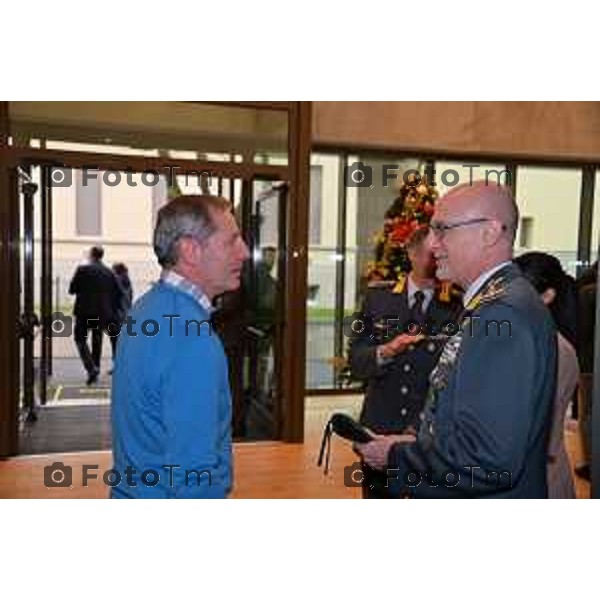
(395, 365)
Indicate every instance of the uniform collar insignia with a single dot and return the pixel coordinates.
(444, 291)
(492, 290)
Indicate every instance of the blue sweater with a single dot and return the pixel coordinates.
(171, 404)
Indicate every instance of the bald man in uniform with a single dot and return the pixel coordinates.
(486, 422)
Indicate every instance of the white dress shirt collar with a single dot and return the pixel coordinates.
(179, 282)
(413, 287)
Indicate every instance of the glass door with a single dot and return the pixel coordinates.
(250, 321)
(28, 318)
(245, 147)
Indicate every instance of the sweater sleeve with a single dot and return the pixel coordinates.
(193, 427)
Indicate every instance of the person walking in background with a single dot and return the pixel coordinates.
(558, 293)
(97, 296)
(121, 273)
(265, 311)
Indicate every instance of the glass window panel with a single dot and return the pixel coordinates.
(182, 155)
(323, 263)
(88, 208)
(198, 183)
(596, 219)
(366, 206)
(96, 148)
(316, 204)
(127, 212)
(548, 200)
(271, 159)
(450, 174)
(365, 209)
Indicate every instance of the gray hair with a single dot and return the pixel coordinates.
(184, 216)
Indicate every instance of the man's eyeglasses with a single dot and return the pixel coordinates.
(440, 229)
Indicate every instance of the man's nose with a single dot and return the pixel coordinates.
(432, 241)
(244, 251)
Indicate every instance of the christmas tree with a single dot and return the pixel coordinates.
(411, 210)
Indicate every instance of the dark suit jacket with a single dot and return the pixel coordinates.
(586, 326)
(396, 391)
(494, 411)
(125, 299)
(97, 293)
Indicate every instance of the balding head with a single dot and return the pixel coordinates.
(492, 201)
(474, 230)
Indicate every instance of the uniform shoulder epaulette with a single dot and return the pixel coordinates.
(380, 284)
(494, 290)
(400, 285)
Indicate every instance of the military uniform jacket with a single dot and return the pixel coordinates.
(396, 389)
(488, 413)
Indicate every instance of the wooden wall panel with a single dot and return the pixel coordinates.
(557, 129)
(569, 130)
(393, 124)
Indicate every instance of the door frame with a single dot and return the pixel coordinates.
(10, 368)
(296, 173)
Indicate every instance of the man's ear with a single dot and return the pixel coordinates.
(549, 296)
(492, 232)
(188, 250)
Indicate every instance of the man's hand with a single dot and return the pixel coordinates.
(399, 344)
(375, 453)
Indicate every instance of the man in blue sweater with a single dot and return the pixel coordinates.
(171, 405)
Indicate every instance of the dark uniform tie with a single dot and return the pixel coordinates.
(416, 312)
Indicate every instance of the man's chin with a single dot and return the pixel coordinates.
(233, 284)
(442, 272)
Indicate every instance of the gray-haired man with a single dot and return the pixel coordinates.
(171, 399)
